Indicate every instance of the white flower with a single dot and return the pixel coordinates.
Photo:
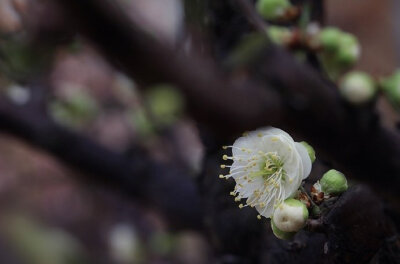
(268, 167)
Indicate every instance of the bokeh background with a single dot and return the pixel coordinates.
(48, 214)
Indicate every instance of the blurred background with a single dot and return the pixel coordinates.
(50, 213)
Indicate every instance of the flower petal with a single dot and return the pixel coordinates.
(248, 142)
(268, 209)
(273, 131)
(306, 161)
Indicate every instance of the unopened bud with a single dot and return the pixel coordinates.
(333, 182)
(340, 50)
(357, 87)
(290, 216)
(272, 9)
(329, 38)
(349, 50)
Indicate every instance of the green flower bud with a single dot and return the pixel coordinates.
(290, 216)
(357, 87)
(391, 88)
(339, 51)
(349, 50)
(333, 182)
(281, 234)
(310, 150)
(329, 38)
(279, 35)
(272, 9)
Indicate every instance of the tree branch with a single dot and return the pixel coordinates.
(313, 107)
(162, 186)
(227, 105)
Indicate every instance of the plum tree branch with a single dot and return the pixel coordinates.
(161, 186)
(305, 103)
(211, 96)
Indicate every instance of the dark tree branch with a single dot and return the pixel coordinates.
(346, 133)
(161, 186)
(313, 106)
(223, 103)
(306, 104)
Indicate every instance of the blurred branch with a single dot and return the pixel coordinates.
(348, 134)
(306, 104)
(313, 107)
(162, 186)
(212, 97)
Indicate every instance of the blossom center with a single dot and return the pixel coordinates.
(272, 167)
(272, 164)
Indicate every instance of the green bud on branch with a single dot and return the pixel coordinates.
(291, 215)
(357, 87)
(272, 9)
(333, 182)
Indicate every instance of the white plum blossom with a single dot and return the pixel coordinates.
(268, 167)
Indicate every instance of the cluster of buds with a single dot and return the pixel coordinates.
(343, 47)
(339, 50)
(269, 167)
